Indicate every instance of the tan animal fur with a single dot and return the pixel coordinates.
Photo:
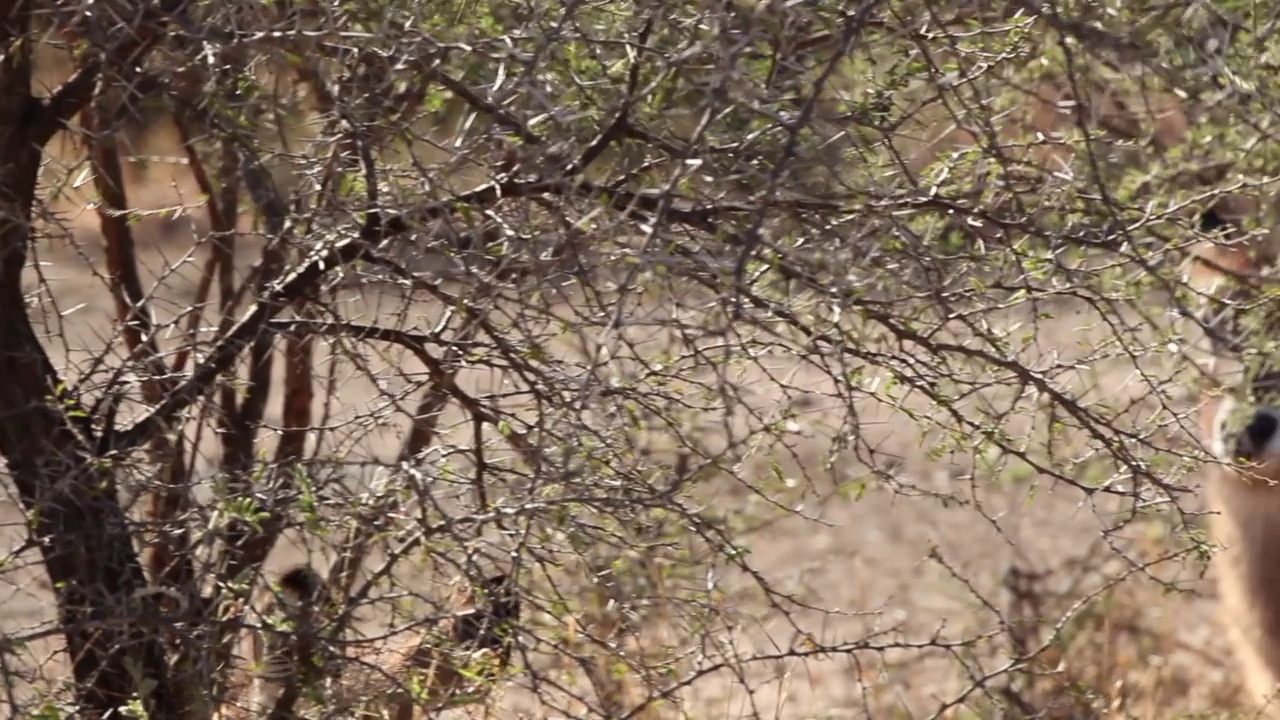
(1246, 522)
(1245, 498)
(413, 673)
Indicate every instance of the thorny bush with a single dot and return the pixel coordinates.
(793, 359)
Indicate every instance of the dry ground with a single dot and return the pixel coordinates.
(871, 559)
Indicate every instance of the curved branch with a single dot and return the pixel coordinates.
(74, 94)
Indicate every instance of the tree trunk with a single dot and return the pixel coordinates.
(69, 496)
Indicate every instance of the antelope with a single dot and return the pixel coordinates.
(1244, 486)
(451, 663)
(1247, 523)
(447, 666)
(290, 654)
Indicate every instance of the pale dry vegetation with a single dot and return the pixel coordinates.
(797, 360)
